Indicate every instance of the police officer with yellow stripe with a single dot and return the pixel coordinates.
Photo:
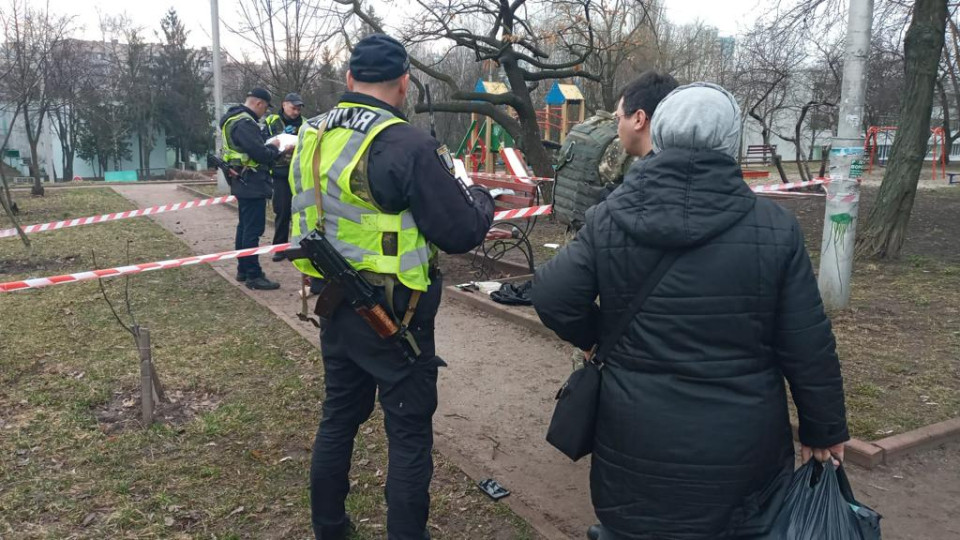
(245, 150)
(389, 202)
(288, 120)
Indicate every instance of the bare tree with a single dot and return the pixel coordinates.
(624, 36)
(509, 37)
(151, 390)
(948, 85)
(31, 35)
(6, 200)
(694, 52)
(69, 82)
(768, 72)
(291, 37)
(886, 225)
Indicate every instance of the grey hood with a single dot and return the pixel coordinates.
(698, 116)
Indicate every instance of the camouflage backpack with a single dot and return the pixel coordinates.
(591, 164)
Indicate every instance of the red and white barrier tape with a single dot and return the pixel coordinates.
(787, 186)
(36, 283)
(523, 213)
(54, 225)
(510, 177)
(198, 203)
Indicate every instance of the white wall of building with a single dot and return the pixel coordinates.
(51, 152)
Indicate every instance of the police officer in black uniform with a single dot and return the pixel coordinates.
(407, 169)
(288, 121)
(245, 150)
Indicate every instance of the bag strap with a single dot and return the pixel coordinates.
(664, 264)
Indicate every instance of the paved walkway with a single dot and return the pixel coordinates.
(497, 395)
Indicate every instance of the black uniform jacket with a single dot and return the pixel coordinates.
(409, 169)
(246, 137)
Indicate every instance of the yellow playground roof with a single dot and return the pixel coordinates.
(571, 92)
(492, 87)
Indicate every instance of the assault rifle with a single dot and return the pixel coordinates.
(229, 173)
(345, 283)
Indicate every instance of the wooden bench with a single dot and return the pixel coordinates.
(759, 155)
(747, 174)
(507, 235)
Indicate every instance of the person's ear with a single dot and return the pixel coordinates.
(642, 121)
(404, 84)
(350, 81)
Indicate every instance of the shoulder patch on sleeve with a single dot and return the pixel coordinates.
(443, 153)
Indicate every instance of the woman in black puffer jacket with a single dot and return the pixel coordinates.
(693, 437)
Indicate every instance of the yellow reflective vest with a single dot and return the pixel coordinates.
(230, 154)
(365, 235)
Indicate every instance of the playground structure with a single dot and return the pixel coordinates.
(938, 148)
(564, 109)
(485, 140)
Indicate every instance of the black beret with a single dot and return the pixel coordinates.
(378, 58)
(294, 98)
(260, 93)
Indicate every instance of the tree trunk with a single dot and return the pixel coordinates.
(10, 209)
(145, 151)
(801, 163)
(532, 142)
(608, 92)
(32, 142)
(774, 156)
(886, 225)
(35, 169)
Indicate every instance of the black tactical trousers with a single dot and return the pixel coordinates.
(354, 358)
(250, 227)
(282, 200)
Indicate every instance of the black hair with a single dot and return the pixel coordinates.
(646, 92)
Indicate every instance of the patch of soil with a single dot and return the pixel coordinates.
(934, 229)
(27, 266)
(123, 411)
(462, 269)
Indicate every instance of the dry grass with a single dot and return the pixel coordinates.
(229, 460)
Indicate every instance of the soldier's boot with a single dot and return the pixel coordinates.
(262, 284)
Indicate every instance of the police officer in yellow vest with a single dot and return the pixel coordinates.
(390, 201)
(287, 121)
(245, 150)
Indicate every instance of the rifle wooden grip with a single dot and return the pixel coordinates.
(378, 319)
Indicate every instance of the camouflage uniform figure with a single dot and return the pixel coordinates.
(591, 165)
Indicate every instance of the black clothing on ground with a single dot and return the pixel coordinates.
(693, 437)
(405, 171)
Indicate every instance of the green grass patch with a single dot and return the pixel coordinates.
(229, 459)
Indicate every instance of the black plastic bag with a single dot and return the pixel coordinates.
(514, 295)
(820, 506)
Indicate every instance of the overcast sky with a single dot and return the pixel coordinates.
(729, 16)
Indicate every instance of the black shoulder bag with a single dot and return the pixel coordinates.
(574, 418)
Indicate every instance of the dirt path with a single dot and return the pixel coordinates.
(497, 395)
